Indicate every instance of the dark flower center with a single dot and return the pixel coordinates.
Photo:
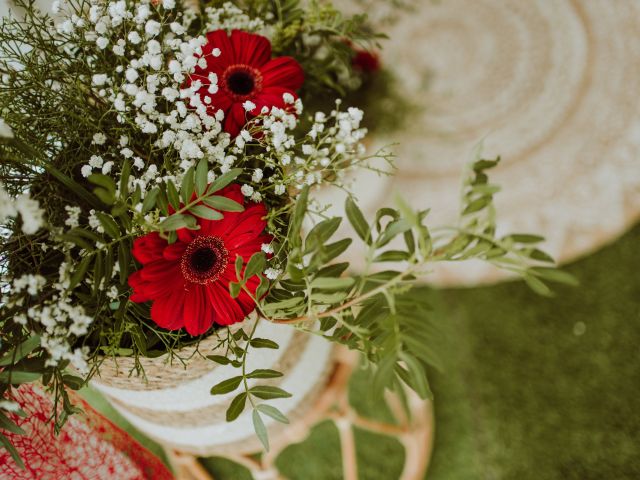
(204, 260)
(242, 81)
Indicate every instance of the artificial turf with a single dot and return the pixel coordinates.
(544, 389)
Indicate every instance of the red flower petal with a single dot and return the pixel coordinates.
(250, 224)
(227, 310)
(236, 119)
(139, 294)
(219, 227)
(198, 314)
(185, 235)
(174, 251)
(282, 72)
(250, 49)
(161, 270)
(148, 248)
(218, 39)
(167, 311)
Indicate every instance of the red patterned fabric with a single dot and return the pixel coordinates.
(89, 447)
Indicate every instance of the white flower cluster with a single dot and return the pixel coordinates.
(230, 17)
(62, 321)
(148, 87)
(28, 209)
(332, 147)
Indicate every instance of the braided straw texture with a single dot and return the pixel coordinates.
(550, 85)
(163, 372)
(174, 405)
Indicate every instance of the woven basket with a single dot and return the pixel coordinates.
(171, 403)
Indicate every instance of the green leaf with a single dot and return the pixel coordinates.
(329, 283)
(202, 171)
(418, 377)
(480, 165)
(238, 265)
(150, 200)
(329, 298)
(123, 262)
(267, 392)
(80, 272)
(73, 382)
(321, 233)
(357, 220)
(186, 189)
(392, 256)
(394, 228)
(172, 195)
(264, 373)
(109, 224)
(7, 424)
(263, 343)
(524, 238)
(221, 359)
(541, 256)
(477, 205)
(537, 285)
(105, 196)
(295, 224)
(205, 212)
(125, 173)
(17, 353)
(335, 270)
(226, 386)
(16, 377)
(261, 430)
(223, 203)
(103, 181)
(256, 265)
(224, 180)
(383, 375)
(235, 289)
(177, 221)
(272, 412)
(283, 304)
(12, 451)
(555, 275)
(333, 250)
(263, 287)
(98, 272)
(236, 407)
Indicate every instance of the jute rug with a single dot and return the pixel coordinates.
(550, 85)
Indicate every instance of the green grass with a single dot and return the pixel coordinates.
(532, 388)
(544, 389)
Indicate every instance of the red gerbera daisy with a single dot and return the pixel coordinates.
(246, 72)
(188, 281)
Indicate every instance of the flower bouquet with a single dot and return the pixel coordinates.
(160, 234)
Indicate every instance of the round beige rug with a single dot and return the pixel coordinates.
(550, 85)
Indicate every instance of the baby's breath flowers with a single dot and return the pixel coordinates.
(24, 207)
